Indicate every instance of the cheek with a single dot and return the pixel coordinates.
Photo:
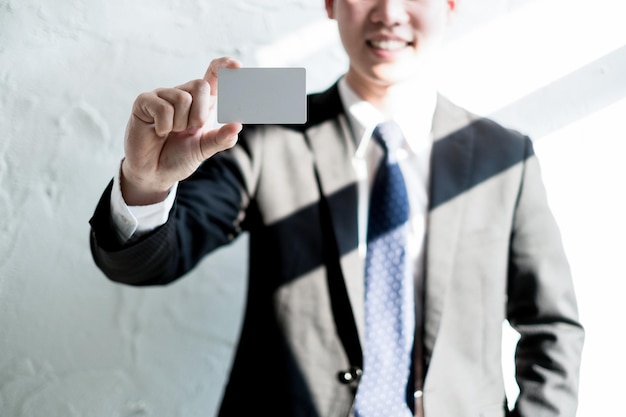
(436, 20)
(350, 25)
(429, 18)
(352, 12)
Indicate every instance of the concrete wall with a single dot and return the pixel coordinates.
(74, 344)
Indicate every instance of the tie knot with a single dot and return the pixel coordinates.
(389, 135)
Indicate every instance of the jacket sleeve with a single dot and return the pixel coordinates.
(542, 306)
(209, 212)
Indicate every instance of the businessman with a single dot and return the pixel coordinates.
(390, 236)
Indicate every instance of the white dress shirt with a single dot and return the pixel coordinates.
(132, 221)
(415, 121)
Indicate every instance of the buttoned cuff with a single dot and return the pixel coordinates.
(133, 221)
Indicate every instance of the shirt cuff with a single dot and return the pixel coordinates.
(133, 221)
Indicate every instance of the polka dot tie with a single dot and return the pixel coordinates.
(389, 294)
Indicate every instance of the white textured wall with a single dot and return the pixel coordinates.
(74, 344)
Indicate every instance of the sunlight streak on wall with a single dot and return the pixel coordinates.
(297, 46)
(525, 50)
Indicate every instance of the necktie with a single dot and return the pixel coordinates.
(389, 294)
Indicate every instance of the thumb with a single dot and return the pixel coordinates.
(212, 72)
(218, 140)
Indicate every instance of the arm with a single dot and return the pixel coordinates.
(542, 306)
(167, 139)
(144, 261)
(207, 213)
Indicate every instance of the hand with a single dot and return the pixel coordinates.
(168, 137)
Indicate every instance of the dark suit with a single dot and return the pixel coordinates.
(493, 252)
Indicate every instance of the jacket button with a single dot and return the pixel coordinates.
(351, 375)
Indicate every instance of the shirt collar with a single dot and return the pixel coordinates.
(415, 121)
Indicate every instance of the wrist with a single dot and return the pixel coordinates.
(137, 191)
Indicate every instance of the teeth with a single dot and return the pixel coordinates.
(388, 45)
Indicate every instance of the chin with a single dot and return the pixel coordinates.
(407, 70)
(393, 76)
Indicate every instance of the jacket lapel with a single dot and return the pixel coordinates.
(333, 148)
(451, 162)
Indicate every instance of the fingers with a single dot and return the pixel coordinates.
(172, 113)
(184, 108)
(200, 107)
(211, 73)
(158, 108)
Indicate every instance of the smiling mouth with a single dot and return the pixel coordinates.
(389, 45)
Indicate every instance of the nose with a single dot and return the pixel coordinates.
(390, 12)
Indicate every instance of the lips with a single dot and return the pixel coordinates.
(389, 44)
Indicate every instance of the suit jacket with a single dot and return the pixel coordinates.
(493, 253)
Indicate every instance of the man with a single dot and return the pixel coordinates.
(482, 246)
